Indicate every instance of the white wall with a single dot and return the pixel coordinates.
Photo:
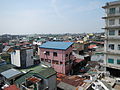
(15, 58)
(115, 57)
(115, 42)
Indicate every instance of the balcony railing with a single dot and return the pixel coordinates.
(113, 38)
(115, 52)
(113, 66)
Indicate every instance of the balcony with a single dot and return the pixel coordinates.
(114, 3)
(112, 27)
(113, 66)
(112, 38)
(115, 52)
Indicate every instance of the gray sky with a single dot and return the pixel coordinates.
(51, 16)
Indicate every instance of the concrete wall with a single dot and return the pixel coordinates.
(115, 57)
(116, 43)
(15, 58)
(61, 57)
(50, 83)
(29, 57)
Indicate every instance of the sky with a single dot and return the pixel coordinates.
(51, 16)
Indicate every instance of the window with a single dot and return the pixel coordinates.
(55, 62)
(55, 54)
(46, 60)
(118, 46)
(112, 11)
(111, 21)
(111, 46)
(111, 32)
(61, 63)
(42, 59)
(118, 61)
(119, 20)
(110, 60)
(66, 55)
(119, 9)
(70, 53)
(47, 53)
(67, 63)
(119, 32)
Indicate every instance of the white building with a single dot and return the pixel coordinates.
(22, 57)
(112, 37)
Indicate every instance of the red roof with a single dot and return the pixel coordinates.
(12, 87)
(92, 46)
(78, 60)
(34, 79)
(23, 43)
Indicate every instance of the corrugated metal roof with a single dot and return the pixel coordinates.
(12, 87)
(56, 45)
(11, 73)
(6, 67)
(65, 86)
(38, 71)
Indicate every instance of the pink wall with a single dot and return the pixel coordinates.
(60, 58)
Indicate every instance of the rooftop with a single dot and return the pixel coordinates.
(11, 73)
(6, 67)
(39, 71)
(34, 79)
(56, 45)
(112, 3)
(11, 87)
(73, 82)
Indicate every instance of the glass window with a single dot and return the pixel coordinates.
(61, 63)
(111, 21)
(119, 9)
(110, 60)
(118, 46)
(55, 54)
(111, 32)
(118, 32)
(119, 20)
(112, 11)
(111, 46)
(66, 55)
(55, 62)
(118, 61)
(67, 63)
(47, 53)
(42, 59)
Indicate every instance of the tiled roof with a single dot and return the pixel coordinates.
(56, 45)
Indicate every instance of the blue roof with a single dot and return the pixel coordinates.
(56, 45)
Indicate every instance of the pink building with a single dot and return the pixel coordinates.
(58, 55)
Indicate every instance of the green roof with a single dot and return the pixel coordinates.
(44, 72)
(6, 67)
(47, 73)
(22, 78)
(39, 71)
